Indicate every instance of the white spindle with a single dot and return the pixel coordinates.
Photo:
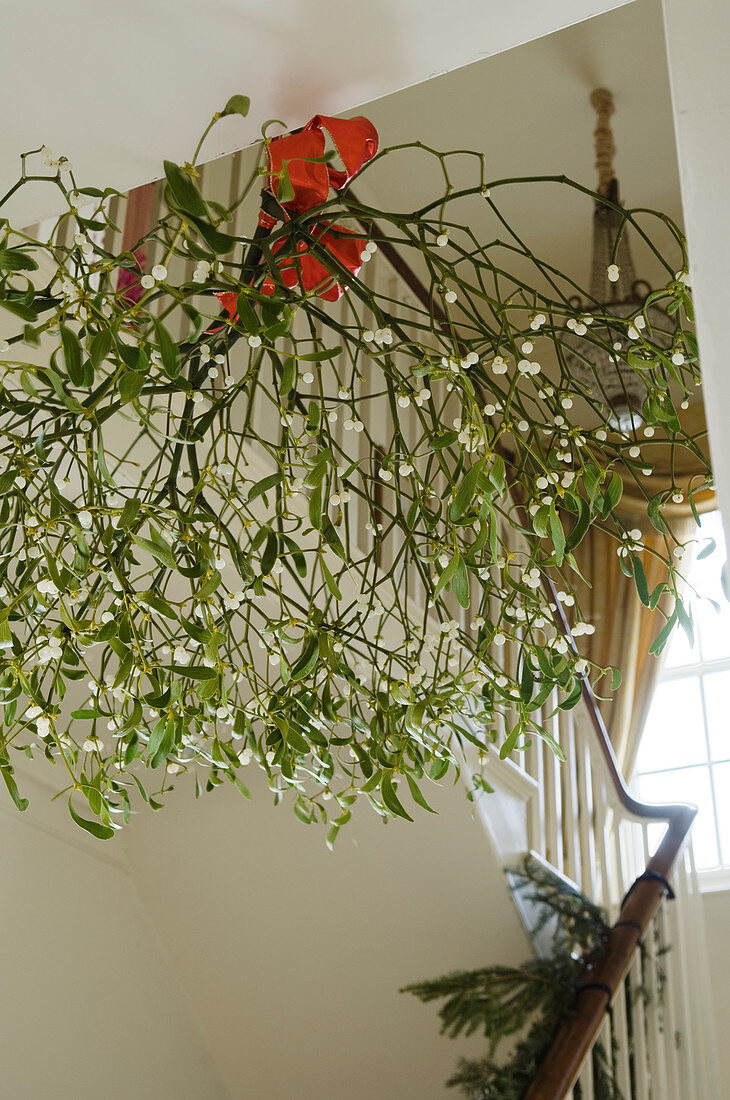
(553, 800)
(603, 843)
(670, 962)
(623, 1044)
(586, 1080)
(591, 876)
(569, 799)
(640, 1054)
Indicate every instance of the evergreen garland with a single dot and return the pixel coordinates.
(532, 999)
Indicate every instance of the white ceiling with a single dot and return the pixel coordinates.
(529, 111)
(118, 87)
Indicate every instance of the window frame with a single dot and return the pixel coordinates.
(718, 877)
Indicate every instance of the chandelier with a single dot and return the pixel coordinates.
(615, 292)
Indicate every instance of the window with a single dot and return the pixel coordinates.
(684, 753)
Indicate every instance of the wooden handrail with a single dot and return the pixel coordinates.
(575, 1038)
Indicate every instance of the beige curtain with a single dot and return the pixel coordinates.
(624, 627)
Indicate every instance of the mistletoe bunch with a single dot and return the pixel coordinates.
(255, 510)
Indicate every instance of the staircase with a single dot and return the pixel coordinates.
(579, 817)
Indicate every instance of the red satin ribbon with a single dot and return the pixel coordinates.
(356, 140)
(228, 299)
(306, 270)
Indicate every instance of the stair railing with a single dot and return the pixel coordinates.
(576, 1037)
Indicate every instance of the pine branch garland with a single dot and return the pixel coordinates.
(531, 1000)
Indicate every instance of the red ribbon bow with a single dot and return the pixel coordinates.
(356, 140)
(310, 273)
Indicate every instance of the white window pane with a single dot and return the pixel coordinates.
(721, 776)
(713, 628)
(690, 785)
(674, 734)
(706, 571)
(654, 836)
(717, 703)
(679, 652)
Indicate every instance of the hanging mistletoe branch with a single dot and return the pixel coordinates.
(240, 522)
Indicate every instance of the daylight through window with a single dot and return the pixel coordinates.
(685, 748)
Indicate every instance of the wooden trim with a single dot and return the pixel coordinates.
(506, 774)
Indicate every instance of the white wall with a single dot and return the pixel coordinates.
(89, 1006)
(218, 951)
(697, 37)
(716, 906)
(294, 955)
